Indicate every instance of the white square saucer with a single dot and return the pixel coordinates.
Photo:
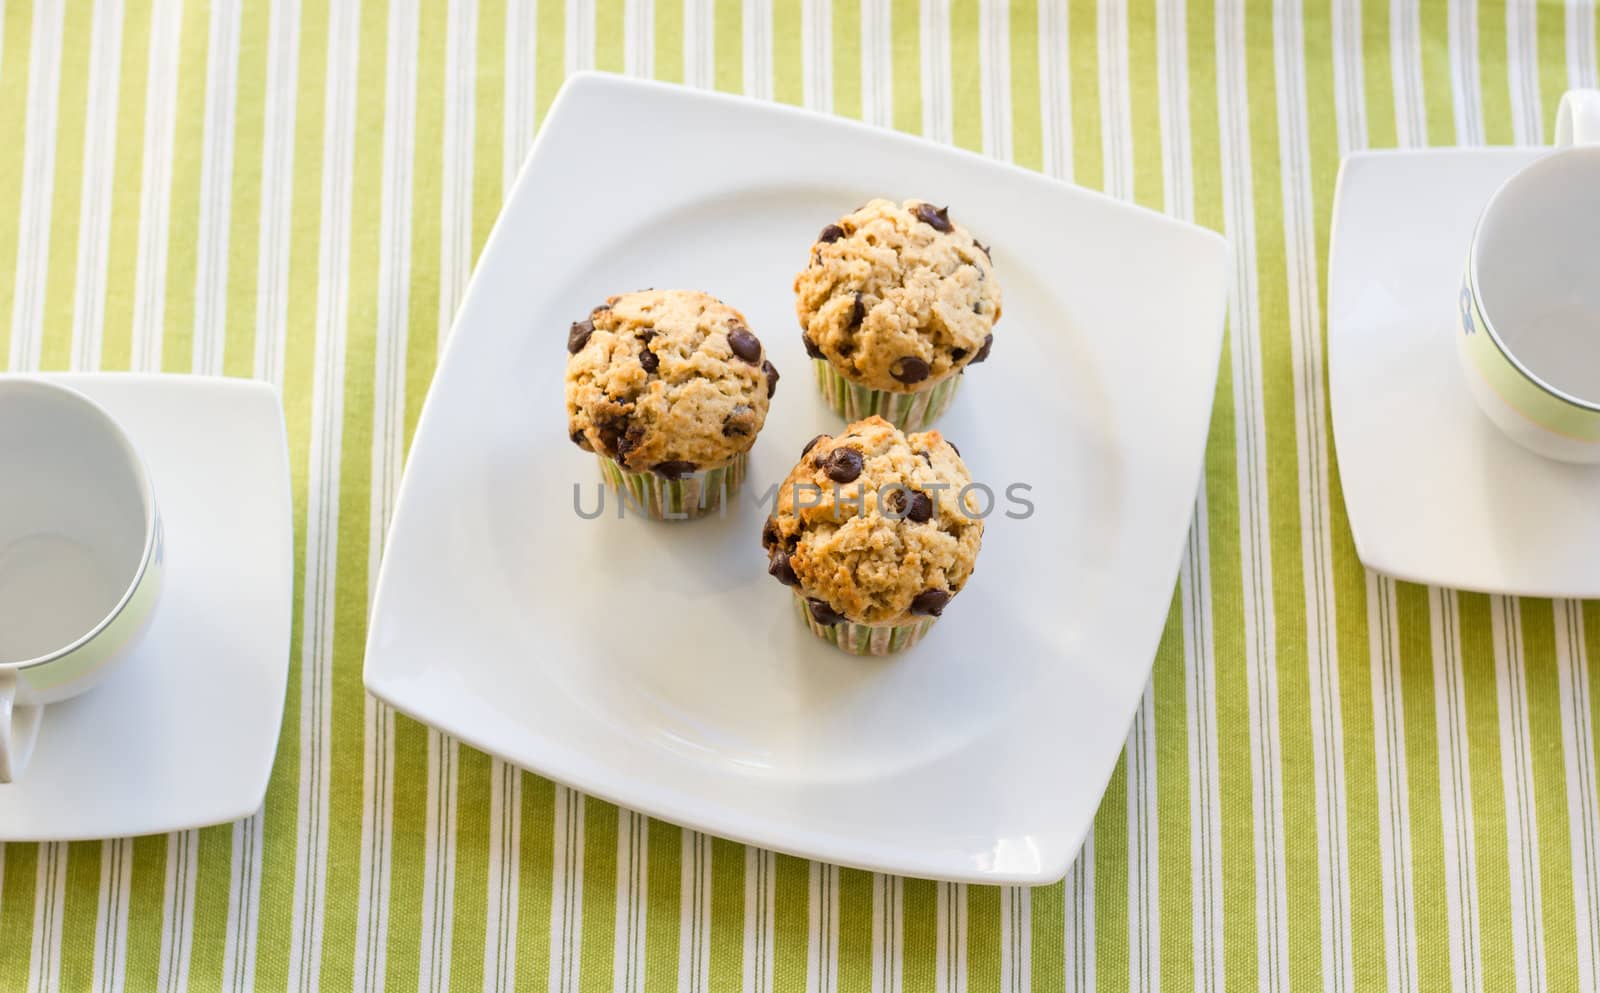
(1435, 493)
(184, 732)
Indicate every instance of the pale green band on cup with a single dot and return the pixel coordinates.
(60, 670)
(1539, 404)
(906, 411)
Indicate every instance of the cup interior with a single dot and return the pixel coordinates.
(1534, 266)
(76, 517)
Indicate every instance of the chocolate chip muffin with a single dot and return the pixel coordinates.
(895, 303)
(670, 389)
(876, 532)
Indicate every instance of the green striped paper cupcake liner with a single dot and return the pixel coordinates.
(906, 411)
(696, 495)
(866, 639)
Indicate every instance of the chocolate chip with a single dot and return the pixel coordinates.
(957, 354)
(926, 457)
(647, 334)
(769, 533)
(921, 508)
(581, 441)
(810, 445)
(937, 218)
(811, 347)
(843, 465)
(930, 603)
(744, 344)
(632, 438)
(822, 613)
(772, 377)
(780, 569)
(600, 309)
(674, 469)
(909, 369)
(983, 353)
(648, 360)
(983, 248)
(831, 233)
(858, 312)
(611, 435)
(953, 448)
(579, 336)
(847, 348)
(739, 422)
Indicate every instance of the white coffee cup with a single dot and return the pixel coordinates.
(81, 559)
(1529, 306)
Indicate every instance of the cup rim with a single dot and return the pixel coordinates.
(1475, 284)
(147, 497)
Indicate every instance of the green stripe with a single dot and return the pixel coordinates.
(1550, 787)
(183, 232)
(966, 70)
(1027, 133)
(788, 81)
(847, 58)
(116, 349)
(14, 87)
(905, 39)
(244, 235)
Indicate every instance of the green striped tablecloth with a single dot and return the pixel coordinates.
(1336, 782)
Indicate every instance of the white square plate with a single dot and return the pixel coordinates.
(1435, 493)
(657, 665)
(184, 732)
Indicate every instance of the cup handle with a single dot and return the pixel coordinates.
(19, 729)
(1578, 118)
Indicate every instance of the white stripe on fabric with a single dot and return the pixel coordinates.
(759, 933)
(580, 35)
(1455, 791)
(994, 83)
(1581, 66)
(111, 924)
(505, 878)
(322, 498)
(1316, 544)
(1393, 785)
(816, 64)
(1522, 71)
(521, 85)
(1516, 773)
(950, 939)
(244, 899)
(639, 38)
(822, 932)
(633, 882)
(1055, 89)
(49, 900)
(1079, 922)
(1016, 939)
(455, 195)
(1405, 65)
(699, 52)
(155, 195)
(877, 66)
(1349, 101)
(1116, 111)
(177, 911)
(439, 864)
(933, 26)
(756, 25)
(216, 190)
(888, 906)
(1583, 806)
(99, 175)
(38, 185)
(388, 454)
(1463, 48)
(1260, 623)
(277, 194)
(566, 893)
